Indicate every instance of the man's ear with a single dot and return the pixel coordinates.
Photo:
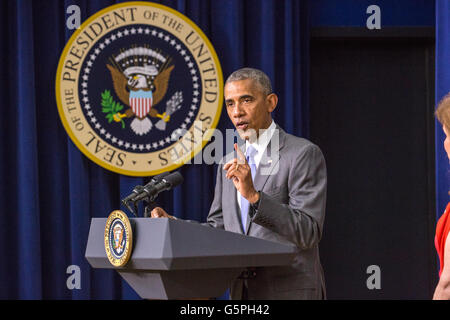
(272, 100)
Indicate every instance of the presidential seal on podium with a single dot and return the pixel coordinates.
(118, 238)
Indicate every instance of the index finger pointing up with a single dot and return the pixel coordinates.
(240, 154)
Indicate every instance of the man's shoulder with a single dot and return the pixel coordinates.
(299, 145)
(298, 152)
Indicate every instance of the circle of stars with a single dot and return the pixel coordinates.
(193, 73)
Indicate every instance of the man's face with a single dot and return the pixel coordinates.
(248, 107)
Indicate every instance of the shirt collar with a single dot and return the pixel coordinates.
(263, 140)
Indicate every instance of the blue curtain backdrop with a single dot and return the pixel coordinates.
(50, 190)
(442, 88)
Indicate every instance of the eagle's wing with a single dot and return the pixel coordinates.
(120, 84)
(161, 82)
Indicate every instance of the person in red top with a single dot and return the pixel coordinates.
(441, 239)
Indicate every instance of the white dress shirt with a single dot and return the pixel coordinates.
(260, 146)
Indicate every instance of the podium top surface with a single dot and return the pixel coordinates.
(168, 244)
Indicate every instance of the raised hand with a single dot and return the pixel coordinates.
(239, 170)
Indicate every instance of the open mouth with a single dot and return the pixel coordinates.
(242, 125)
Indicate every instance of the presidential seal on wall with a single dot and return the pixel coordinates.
(138, 87)
(118, 238)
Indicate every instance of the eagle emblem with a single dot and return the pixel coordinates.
(140, 78)
(118, 238)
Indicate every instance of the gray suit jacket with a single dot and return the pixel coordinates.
(291, 210)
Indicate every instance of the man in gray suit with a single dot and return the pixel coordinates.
(279, 196)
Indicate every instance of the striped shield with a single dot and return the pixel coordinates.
(141, 102)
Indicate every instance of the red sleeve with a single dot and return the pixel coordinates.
(442, 230)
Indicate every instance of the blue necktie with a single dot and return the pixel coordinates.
(245, 205)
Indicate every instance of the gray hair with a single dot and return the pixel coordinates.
(254, 74)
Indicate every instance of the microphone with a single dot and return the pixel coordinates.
(138, 189)
(135, 192)
(167, 183)
(155, 180)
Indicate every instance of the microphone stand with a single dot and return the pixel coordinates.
(151, 204)
(127, 199)
(129, 208)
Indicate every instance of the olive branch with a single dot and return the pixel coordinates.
(111, 108)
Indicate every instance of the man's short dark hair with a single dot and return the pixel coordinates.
(254, 74)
